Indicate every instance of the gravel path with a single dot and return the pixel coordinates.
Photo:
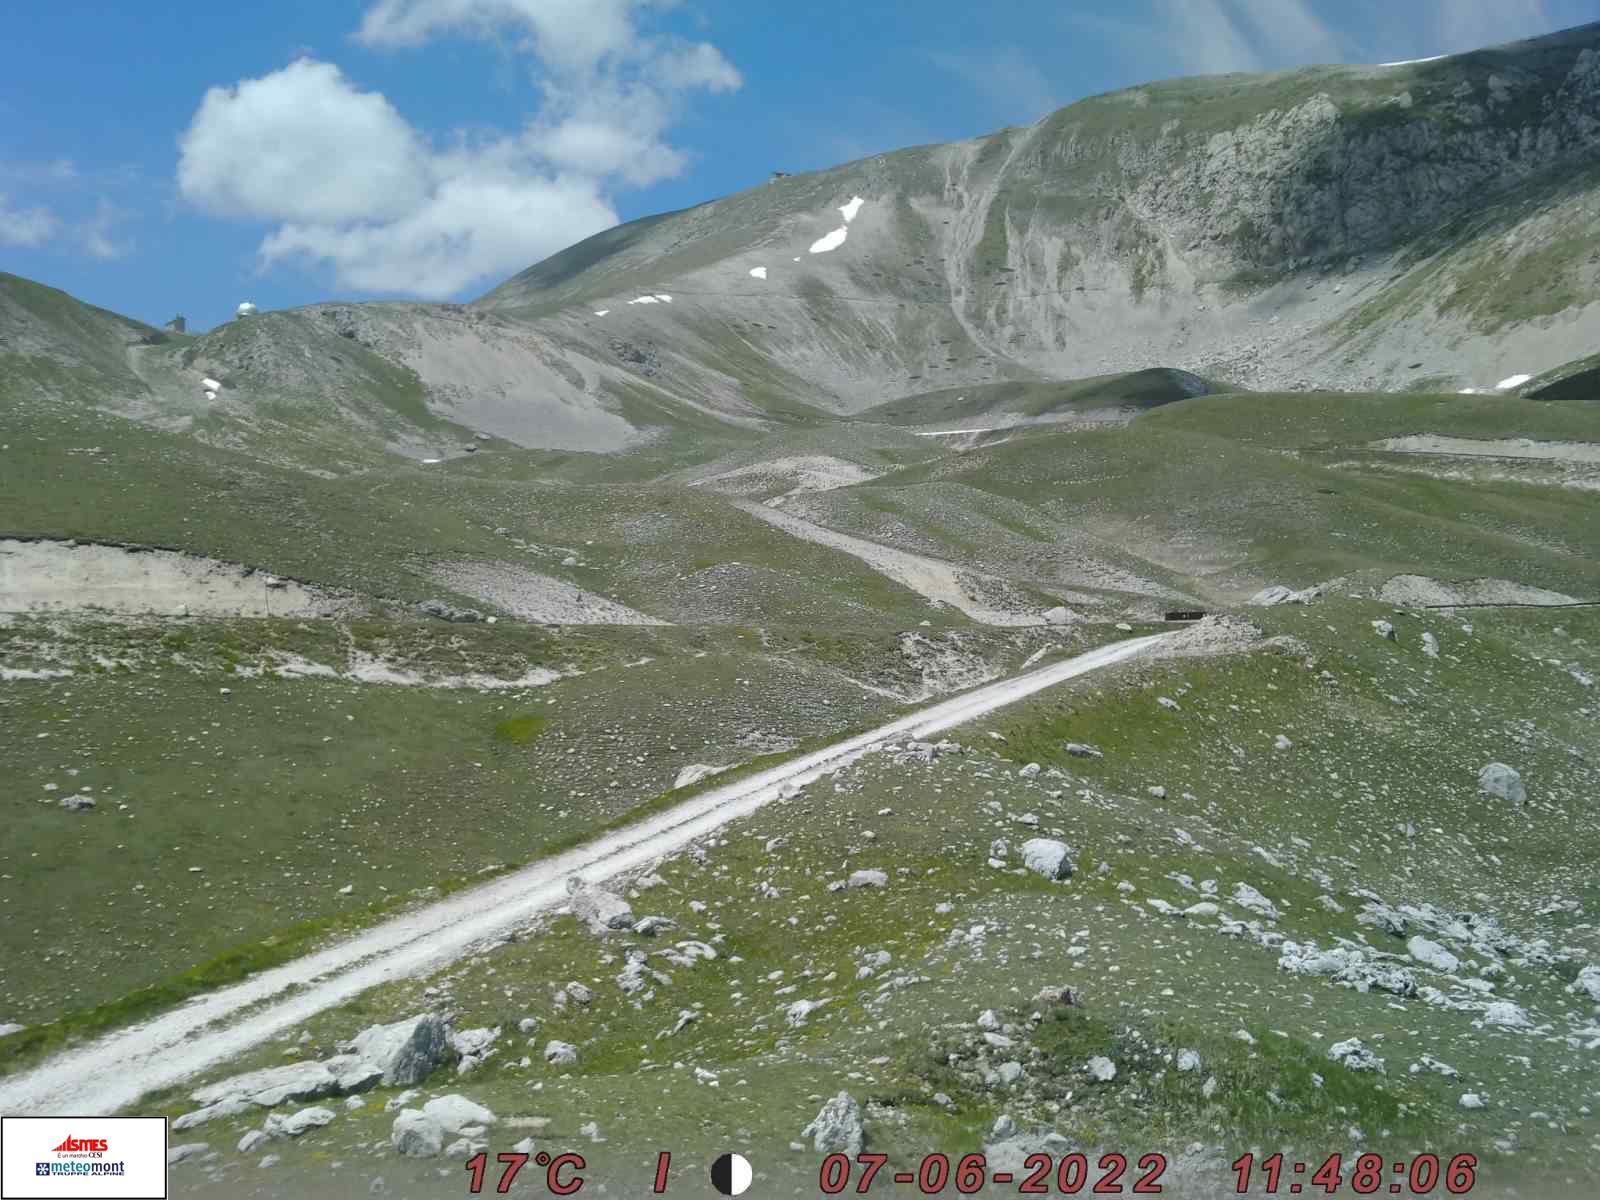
(926, 576)
(114, 1072)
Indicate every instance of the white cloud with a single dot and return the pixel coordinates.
(25, 226)
(99, 232)
(301, 144)
(351, 183)
(474, 225)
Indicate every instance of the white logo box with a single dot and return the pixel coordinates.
(116, 1158)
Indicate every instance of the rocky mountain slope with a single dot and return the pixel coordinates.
(1419, 226)
(1347, 226)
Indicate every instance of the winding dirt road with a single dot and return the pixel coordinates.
(114, 1072)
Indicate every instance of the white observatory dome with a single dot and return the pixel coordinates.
(245, 310)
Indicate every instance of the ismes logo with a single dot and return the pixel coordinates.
(75, 1144)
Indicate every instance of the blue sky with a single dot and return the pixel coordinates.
(158, 157)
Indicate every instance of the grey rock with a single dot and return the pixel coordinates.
(1101, 1069)
(448, 612)
(271, 1085)
(1588, 982)
(474, 1041)
(1081, 750)
(1048, 858)
(560, 1053)
(838, 1128)
(1384, 629)
(1431, 954)
(416, 1134)
(251, 1140)
(455, 1113)
(76, 803)
(652, 925)
(600, 910)
(1355, 1056)
(295, 1124)
(1505, 782)
(868, 879)
(183, 1153)
(406, 1051)
(232, 1106)
(1188, 1061)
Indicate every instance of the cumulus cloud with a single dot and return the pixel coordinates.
(302, 144)
(351, 183)
(26, 226)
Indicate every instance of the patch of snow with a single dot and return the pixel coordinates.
(1511, 382)
(664, 298)
(758, 272)
(601, 312)
(643, 300)
(431, 461)
(210, 385)
(830, 242)
(850, 210)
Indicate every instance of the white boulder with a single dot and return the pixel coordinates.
(1048, 858)
(838, 1128)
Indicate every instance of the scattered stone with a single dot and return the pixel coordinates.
(1384, 629)
(1247, 897)
(1188, 1061)
(251, 1140)
(1507, 1015)
(600, 910)
(1101, 1068)
(295, 1124)
(1168, 703)
(868, 879)
(405, 1052)
(416, 1134)
(1431, 954)
(1048, 858)
(1004, 1127)
(1505, 782)
(838, 1128)
(78, 803)
(231, 1106)
(560, 1053)
(183, 1153)
(1282, 743)
(1356, 1057)
(1472, 1100)
(474, 1042)
(455, 1113)
(795, 1015)
(1030, 771)
(650, 926)
(1080, 750)
(1588, 981)
(1430, 645)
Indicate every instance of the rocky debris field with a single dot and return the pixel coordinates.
(1253, 945)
